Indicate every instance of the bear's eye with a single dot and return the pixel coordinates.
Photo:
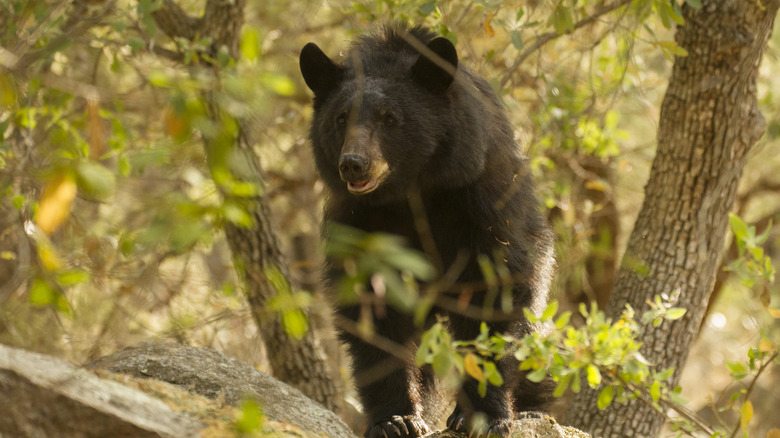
(389, 119)
(342, 119)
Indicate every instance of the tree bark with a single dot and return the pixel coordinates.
(709, 122)
(300, 363)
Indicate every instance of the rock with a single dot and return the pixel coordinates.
(217, 376)
(41, 396)
(545, 427)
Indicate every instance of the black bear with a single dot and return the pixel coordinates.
(411, 143)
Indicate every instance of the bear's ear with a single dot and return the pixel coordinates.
(435, 68)
(320, 73)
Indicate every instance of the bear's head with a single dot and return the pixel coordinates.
(381, 115)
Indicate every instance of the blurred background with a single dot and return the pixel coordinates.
(102, 131)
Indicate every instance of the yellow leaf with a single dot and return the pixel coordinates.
(55, 202)
(765, 346)
(774, 313)
(488, 27)
(50, 261)
(596, 185)
(745, 415)
(471, 364)
(774, 433)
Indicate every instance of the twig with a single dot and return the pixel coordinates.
(549, 36)
(750, 389)
(681, 410)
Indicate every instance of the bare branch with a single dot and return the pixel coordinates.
(550, 36)
(76, 26)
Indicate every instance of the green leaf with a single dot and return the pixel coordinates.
(517, 40)
(674, 313)
(561, 19)
(563, 385)
(738, 226)
(665, 374)
(251, 417)
(655, 391)
(8, 94)
(236, 214)
(73, 277)
(529, 315)
(537, 375)
(675, 13)
(675, 396)
(295, 323)
(41, 294)
(124, 166)
(593, 375)
(279, 84)
(605, 397)
(738, 370)
(95, 180)
(160, 79)
(493, 375)
(482, 388)
(583, 310)
(761, 238)
(443, 362)
(679, 51)
(550, 311)
(563, 319)
(135, 43)
(426, 8)
(575, 383)
(250, 44)
(695, 4)
(18, 201)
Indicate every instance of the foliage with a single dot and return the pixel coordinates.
(383, 263)
(111, 216)
(753, 264)
(250, 419)
(600, 353)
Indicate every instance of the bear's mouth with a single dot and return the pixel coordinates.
(369, 185)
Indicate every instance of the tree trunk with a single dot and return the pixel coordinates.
(709, 121)
(300, 363)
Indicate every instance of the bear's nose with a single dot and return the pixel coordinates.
(353, 167)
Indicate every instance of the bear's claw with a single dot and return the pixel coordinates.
(495, 428)
(409, 426)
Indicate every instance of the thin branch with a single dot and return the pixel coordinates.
(385, 344)
(681, 410)
(550, 36)
(77, 26)
(752, 385)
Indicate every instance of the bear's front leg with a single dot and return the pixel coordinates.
(493, 408)
(388, 385)
(496, 407)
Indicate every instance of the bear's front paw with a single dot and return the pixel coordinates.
(410, 426)
(496, 428)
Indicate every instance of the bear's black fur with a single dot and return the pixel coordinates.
(410, 142)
